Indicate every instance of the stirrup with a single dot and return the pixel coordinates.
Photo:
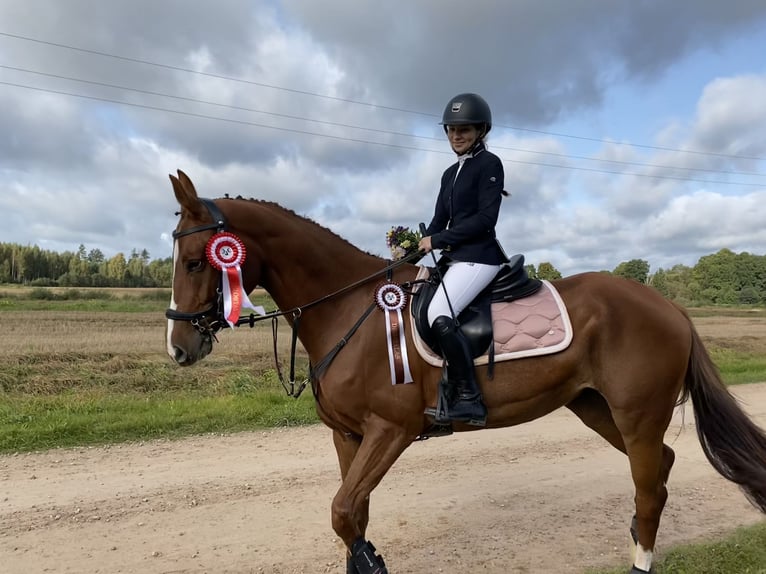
(441, 414)
(472, 418)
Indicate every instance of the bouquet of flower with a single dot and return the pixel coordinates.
(402, 241)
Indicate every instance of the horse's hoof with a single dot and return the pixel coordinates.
(636, 570)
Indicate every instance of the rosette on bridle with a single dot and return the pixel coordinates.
(391, 299)
(226, 252)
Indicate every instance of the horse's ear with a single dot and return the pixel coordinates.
(186, 194)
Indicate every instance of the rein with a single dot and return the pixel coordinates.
(212, 320)
(296, 312)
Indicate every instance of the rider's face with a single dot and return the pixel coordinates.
(462, 137)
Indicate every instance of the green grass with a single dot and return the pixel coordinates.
(85, 305)
(737, 367)
(99, 300)
(75, 399)
(734, 311)
(742, 552)
(29, 423)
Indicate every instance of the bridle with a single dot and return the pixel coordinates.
(213, 319)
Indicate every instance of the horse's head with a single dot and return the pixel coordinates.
(195, 312)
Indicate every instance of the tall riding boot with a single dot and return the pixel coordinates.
(467, 405)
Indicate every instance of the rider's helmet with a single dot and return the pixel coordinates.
(467, 109)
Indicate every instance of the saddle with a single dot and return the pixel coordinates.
(512, 282)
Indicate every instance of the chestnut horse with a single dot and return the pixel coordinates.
(633, 358)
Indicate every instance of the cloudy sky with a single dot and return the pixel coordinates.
(627, 129)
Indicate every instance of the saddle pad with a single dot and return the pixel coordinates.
(528, 327)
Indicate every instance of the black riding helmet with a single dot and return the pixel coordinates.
(467, 109)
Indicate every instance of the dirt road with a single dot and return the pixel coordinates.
(548, 496)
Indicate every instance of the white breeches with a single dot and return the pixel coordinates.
(463, 282)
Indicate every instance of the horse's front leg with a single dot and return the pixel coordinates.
(367, 463)
(346, 446)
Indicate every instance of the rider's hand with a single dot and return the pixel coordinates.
(425, 244)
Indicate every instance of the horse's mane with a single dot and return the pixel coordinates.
(290, 213)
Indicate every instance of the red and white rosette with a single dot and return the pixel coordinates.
(226, 252)
(391, 299)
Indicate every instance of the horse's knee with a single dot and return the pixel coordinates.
(341, 515)
(349, 520)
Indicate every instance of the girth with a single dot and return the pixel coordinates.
(475, 321)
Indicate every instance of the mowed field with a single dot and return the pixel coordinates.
(70, 344)
(51, 331)
(51, 347)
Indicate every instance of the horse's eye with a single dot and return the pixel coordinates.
(194, 265)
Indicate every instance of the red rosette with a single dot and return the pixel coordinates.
(225, 250)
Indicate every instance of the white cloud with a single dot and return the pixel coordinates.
(731, 115)
(710, 220)
(77, 171)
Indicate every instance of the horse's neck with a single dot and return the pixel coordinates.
(316, 277)
(315, 271)
(301, 262)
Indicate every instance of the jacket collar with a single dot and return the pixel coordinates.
(475, 150)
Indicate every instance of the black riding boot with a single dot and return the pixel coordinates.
(467, 406)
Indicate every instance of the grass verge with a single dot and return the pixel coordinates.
(742, 552)
(737, 367)
(29, 423)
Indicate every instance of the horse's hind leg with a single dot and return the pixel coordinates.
(646, 467)
(592, 409)
(650, 464)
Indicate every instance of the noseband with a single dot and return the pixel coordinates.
(211, 320)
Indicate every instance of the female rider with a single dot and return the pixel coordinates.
(463, 228)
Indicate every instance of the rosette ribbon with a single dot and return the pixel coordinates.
(226, 252)
(391, 299)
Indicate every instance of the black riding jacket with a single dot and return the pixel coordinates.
(463, 225)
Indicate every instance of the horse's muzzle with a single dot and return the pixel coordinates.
(185, 356)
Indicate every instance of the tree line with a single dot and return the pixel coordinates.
(722, 278)
(30, 265)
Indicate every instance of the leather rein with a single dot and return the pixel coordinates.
(211, 320)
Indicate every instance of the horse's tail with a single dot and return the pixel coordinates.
(734, 444)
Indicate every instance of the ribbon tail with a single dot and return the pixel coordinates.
(226, 297)
(389, 344)
(232, 295)
(406, 375)
(397, 349)
(258, 309)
